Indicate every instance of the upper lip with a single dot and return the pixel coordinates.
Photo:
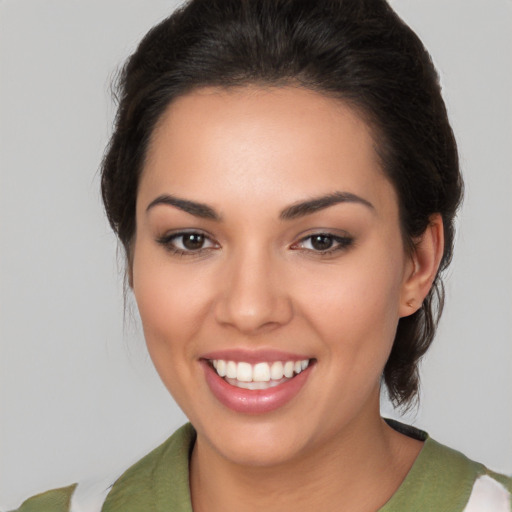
(253, 356)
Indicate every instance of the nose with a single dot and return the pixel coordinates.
(252, 295)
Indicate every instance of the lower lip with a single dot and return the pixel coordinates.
(256, 401)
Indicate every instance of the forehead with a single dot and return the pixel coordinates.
(250, 143)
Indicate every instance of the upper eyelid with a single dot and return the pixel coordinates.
(321, 232)
(181, 232)
(333, 236)
(336, 233)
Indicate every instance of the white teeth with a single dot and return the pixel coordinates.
(259, 376)
(276, 371)
(231, 370)
(261, 372)
(254, 385)
(288, 369)
(221, 367)
(244, 372)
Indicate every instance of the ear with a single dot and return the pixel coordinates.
(422, 270)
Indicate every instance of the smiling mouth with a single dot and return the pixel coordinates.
(262, 375)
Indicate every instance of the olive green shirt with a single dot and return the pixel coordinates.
(441, 480)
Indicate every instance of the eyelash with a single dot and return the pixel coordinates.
(340, 243)
(169, 242)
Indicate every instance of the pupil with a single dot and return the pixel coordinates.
(321, 242)
(193, 241)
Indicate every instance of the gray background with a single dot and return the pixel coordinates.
(78, 394)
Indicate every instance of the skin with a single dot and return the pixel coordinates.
(248, 153)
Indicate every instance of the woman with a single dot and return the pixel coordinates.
(284, 180)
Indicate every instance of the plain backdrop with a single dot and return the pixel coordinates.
(78, 394)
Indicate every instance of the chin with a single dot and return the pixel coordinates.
(265, 450)
(256, 441)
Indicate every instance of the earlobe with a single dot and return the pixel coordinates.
(426, 258)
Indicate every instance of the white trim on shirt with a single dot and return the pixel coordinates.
(488, 495)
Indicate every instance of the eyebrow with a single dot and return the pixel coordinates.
(296, 210)
(197, 209)
(304, 208)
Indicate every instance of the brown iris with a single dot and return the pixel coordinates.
(321, 242)
(193, 241)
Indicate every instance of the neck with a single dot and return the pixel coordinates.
(333, 476)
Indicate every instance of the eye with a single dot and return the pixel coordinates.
(323, 243)
(187, 242)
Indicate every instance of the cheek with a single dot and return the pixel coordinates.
(172, 305)
(171, 300)
(355, 307)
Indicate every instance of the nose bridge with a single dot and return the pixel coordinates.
(252, 295)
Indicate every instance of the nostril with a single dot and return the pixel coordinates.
(248, 318)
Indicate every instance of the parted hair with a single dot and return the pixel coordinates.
(359, 51)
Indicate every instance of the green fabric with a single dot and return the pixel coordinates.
(158, 482)
(52, 501)
(504, 480)
(440, 480)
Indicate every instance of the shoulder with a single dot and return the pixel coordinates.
(57, 500)
(85, 496)
(490, 492)
(481, 489)
(159, 478)
(444, 479)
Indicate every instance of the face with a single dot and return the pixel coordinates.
(269, 269)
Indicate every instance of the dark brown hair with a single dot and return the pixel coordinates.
(357, 50)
